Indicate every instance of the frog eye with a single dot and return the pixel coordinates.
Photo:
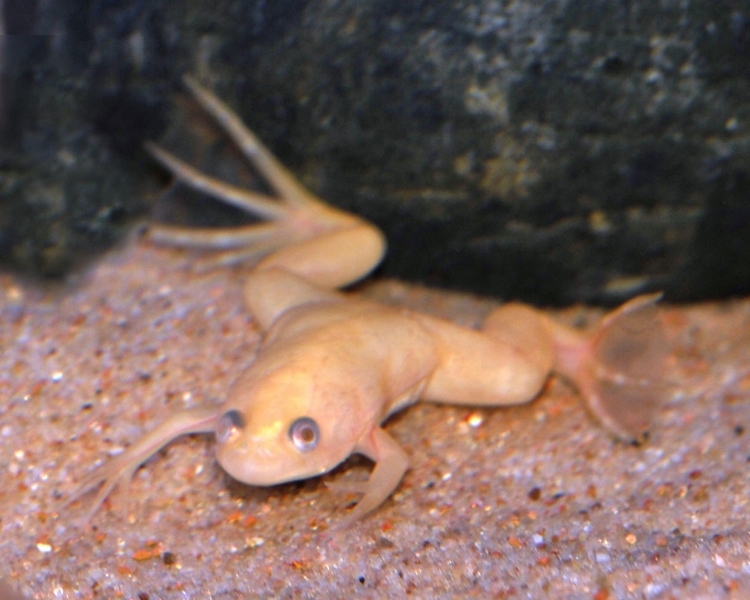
(229, 425)
(305, 434)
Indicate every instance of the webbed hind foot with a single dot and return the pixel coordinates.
(622, 370)
(298, 231)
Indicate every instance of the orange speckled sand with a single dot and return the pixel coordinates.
(535, 501)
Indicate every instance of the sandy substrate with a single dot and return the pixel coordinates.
(535, 501)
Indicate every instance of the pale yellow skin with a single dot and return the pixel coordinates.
(348, 363)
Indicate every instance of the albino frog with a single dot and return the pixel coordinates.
(331, 367)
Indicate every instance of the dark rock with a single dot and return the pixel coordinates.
(548, 151)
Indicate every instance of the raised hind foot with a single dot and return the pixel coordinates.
(298, 231)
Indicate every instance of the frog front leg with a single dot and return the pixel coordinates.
(121, 468)
(391, 462)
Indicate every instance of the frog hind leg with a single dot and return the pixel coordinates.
(626, 376)
(620, 370)
(298, 231)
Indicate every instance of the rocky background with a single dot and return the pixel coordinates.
(543, 150)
